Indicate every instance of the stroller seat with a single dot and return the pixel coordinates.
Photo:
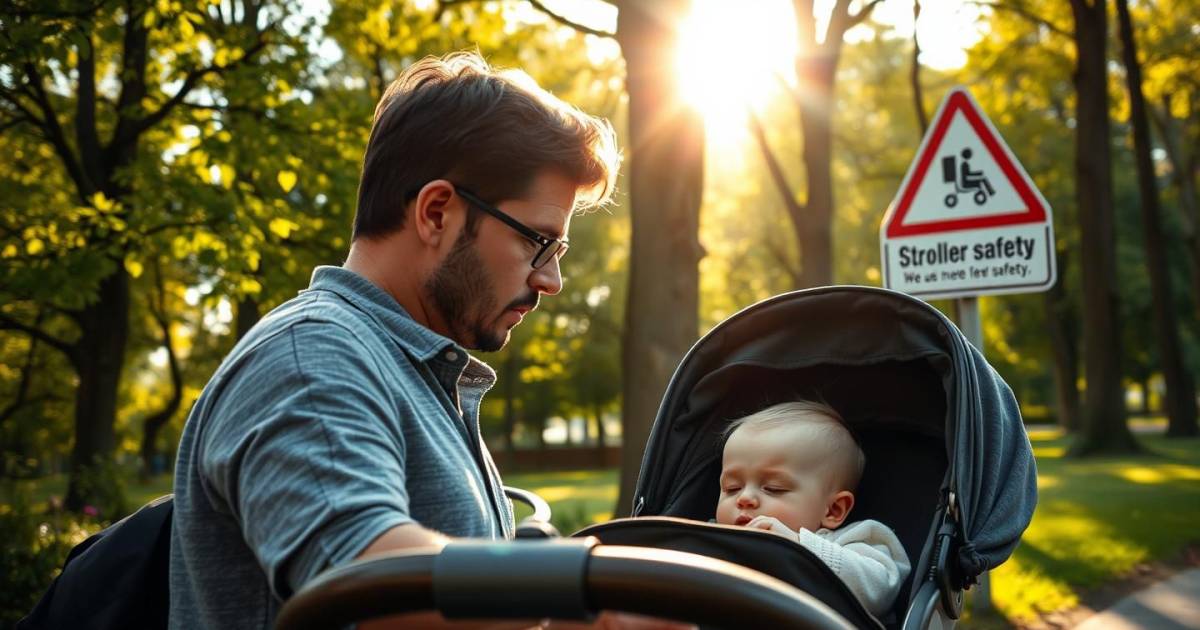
(899, 429)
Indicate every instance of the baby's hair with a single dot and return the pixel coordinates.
(821, 416)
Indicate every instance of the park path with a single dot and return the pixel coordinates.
(1173, 604)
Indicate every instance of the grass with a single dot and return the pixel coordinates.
(1097, 520)
(577, 498)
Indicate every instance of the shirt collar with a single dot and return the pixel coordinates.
(419, 341)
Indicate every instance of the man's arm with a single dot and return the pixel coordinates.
(412, 536)
(406, 536)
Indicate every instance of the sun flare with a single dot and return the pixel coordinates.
(732, 58)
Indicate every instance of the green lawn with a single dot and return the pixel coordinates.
(1097, 519)
(577, 498)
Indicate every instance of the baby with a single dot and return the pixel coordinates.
(791, 469)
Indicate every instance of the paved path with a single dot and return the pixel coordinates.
(1173, 604)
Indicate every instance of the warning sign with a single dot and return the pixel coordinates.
(967, 220)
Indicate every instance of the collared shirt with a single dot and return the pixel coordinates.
(335, 419)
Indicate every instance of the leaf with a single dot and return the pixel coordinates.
(102, 203)
(186, 29)
(133, 267)
(287, 180)
(227, 176)
(10, 251)
(34, 247)
(250, 286)
(282, 227)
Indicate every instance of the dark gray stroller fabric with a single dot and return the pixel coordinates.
(994, 466)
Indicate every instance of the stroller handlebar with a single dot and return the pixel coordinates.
(560, 578)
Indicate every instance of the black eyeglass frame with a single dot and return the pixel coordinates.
(542, 240)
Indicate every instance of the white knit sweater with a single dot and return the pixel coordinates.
(867, 556)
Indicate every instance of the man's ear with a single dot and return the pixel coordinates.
(436, 213)
(839, 508)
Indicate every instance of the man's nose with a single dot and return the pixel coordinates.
(547, 279)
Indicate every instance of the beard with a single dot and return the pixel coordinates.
(461, 289)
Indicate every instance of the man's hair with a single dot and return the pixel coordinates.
(844, 450)
(490, 131)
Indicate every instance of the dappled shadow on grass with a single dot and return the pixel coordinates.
(1098, 519)
(577, 498)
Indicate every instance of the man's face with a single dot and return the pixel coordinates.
(485, 284)
(775, 471)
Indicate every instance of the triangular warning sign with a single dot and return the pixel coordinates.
(964, 178)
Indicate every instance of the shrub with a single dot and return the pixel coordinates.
(32, 550)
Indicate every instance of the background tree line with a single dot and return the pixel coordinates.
(175, 169)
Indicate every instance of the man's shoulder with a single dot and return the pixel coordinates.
(315, 327)
(314, 313)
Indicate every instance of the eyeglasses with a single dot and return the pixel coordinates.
(551, 248)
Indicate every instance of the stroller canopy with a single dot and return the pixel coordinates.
(925, 405)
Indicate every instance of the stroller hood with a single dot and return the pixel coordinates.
(882, 358)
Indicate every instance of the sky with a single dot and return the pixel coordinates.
(946, 27)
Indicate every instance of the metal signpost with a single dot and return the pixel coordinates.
(967, 221)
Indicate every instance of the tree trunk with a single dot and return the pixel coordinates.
(600, 436)
(510, 411)
(1180, 403)
(99, 357)
(665, 183)
(815, 229)
(915, 75)
(1184, 167)
(1103, 427)
(1056, 306)
(247, 316)
(155, 423)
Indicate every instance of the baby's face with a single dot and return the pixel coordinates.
(775, 471)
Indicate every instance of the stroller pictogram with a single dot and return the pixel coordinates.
(965, 180)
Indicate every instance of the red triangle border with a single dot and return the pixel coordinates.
(1035, 211)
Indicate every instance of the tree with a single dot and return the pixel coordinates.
(1104, 428)
(666, 168)
(1021, 75)
(95, 94)
(816, 74)
(1181, 389)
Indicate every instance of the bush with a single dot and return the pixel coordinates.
(103, 485)
(32, 550)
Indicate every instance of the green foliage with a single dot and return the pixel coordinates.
(104, 483)
(233, 191)
(32, 549)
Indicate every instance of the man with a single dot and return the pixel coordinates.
(345, 423)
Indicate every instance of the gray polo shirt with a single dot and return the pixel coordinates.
(335, 419)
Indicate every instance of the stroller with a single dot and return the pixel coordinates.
(949, 469)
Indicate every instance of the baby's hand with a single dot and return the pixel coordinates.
(773, 525)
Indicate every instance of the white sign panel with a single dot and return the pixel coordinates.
(967, 220)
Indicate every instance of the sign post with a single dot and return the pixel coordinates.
(967, 221)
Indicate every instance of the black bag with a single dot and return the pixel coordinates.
(117, 578)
